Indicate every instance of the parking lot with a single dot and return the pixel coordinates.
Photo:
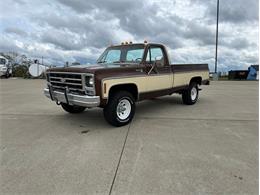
(169, 148)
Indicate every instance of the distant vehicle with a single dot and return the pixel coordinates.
(123, 75)
(5, 67)
(253, 72)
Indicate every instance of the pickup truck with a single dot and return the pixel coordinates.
(123, 75)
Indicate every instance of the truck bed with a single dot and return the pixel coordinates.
(189, 67)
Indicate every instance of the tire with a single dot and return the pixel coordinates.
(72, 109)
(191, 95)
(7, 75)
(112, 112)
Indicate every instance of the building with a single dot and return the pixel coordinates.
(238, 74)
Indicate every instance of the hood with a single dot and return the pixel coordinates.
(86, 68)
(78, 68)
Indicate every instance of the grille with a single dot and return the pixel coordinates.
(62, 80)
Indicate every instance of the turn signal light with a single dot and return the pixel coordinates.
(105, 88)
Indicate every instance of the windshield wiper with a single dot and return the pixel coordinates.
(118, 62)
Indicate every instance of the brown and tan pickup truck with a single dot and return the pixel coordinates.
(123, 75)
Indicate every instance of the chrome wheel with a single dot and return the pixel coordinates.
(194, 93)
(123, 109)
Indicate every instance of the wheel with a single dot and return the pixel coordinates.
(190, 96)
(72, 109)
(120, 109)
(7, 75)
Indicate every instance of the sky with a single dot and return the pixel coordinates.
(79, 30)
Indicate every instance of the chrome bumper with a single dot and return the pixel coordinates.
(73, 99)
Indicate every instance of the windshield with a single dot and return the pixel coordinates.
(2, 61)
(122, 54)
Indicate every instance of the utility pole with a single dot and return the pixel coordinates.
(216, 54)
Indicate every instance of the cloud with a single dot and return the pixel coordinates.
(8, 45)
(63, 40)
(239, 44)
(78, 30)
(16, 31)
(232, 11)
(238, 11)
(201, 33)
(113, 6)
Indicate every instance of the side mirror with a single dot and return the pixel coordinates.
(158, 60)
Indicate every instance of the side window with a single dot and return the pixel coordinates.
(134, 55)
(113, 56)
(155, 53)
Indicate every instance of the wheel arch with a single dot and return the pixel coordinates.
(130, 87)
(197, 79)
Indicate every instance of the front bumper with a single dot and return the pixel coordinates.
(72, 99)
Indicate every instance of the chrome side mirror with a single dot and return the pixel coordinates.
(156, 61)
(158, 58)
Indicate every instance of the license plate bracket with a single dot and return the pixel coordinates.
(66, 95)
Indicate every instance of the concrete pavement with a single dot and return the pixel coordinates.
(169, 148)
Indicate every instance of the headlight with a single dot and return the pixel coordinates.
(90, 90)
(89, 81)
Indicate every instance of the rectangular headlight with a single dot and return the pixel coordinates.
(89, 81)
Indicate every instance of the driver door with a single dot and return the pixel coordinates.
(159, 80)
